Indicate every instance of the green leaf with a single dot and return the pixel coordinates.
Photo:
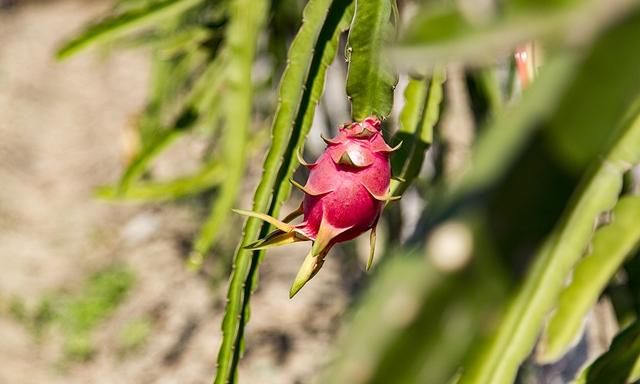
(310, 54)
(617, 365)
(208, 176)
(370, 79)
(116, 26)
(499, 359)
(611, 244)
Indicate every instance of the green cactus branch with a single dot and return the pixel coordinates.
(370, 78)
(421, 120)
(611, 244)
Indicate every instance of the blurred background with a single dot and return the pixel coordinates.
(120, 164)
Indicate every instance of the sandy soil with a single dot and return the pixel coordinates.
(61, 133)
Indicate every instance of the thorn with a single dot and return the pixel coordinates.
(302, 161)
(345, 159)
(328, 141)
(264, 217)
(374, 122)
(291, 216)
(274, 239)
(372, 245)
(386, 197)
(393, 149)
(355, 159)
(364, 134)
(306, 190)
(389, 149)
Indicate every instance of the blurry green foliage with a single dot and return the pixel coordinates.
(370, 78)
(77, 314)
(134, 335)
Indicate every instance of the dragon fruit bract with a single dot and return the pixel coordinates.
(344, 196)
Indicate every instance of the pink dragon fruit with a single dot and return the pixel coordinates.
(347, 188)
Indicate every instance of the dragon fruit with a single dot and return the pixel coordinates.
(344, 196)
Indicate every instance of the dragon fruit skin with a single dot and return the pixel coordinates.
(345, 193)
(345, 182)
